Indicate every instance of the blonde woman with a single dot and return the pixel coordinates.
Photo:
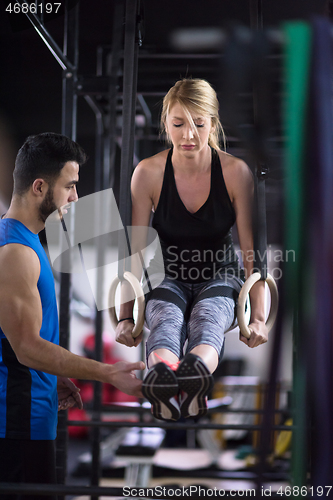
(197, 192)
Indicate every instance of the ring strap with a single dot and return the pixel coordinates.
(217, 291)
(167, 295)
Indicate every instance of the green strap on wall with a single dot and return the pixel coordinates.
(297, 57)
(296, 68)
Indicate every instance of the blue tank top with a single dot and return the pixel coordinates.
(28, 398)
(198, 246)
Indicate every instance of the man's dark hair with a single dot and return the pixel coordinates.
(43, 156)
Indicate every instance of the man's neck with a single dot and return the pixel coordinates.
(22, 211)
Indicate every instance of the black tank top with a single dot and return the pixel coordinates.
(196, 246)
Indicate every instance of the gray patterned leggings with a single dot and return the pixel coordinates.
(200, 313)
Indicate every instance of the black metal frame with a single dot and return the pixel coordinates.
(131, 47)
(69, 123)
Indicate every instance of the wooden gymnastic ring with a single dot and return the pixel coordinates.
(134, 282)
(242, 299)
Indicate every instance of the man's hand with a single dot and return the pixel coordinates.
(259, 334)
(124, 334)
(124, 378)
(68, 394)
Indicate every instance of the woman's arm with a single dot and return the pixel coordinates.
(142, 186)
(241, 188)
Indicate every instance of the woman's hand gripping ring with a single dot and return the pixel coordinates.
(134, 282)
(242, 300)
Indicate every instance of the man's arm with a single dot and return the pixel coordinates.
(21, 320)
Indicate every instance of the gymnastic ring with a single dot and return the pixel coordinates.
(134, 282)
(242, 299)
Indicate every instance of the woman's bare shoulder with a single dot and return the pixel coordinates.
(233, 162)
(237, 174)
(152, 165)
(234, 168)
(148, 174)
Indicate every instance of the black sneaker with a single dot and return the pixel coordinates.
(159, 386)
(195, 382)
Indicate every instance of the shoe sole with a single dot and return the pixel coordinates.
(196, 381)
(159, 386)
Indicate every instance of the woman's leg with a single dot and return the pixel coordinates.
(165, 318)
(208, 354)
(212, 314)
(162, 355)
(210, 318)
(165, 313)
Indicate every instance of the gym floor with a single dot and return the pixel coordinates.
(191, 461)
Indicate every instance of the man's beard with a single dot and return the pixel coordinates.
(47, 206)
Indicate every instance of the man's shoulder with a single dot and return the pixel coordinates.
(18, 260)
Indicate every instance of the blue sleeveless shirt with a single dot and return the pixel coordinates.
(28, 398)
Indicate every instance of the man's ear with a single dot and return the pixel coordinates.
(39, 187)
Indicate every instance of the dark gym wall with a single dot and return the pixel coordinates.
(30, 82)
(275, 11)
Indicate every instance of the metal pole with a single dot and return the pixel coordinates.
(105, 156)
(69, 97)
(48, 40)
(112, 72)
(146, 149)
(95, 434)
(256, 15)
(260, 245)
(69, 113)
(129, 103)
(177, 425)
